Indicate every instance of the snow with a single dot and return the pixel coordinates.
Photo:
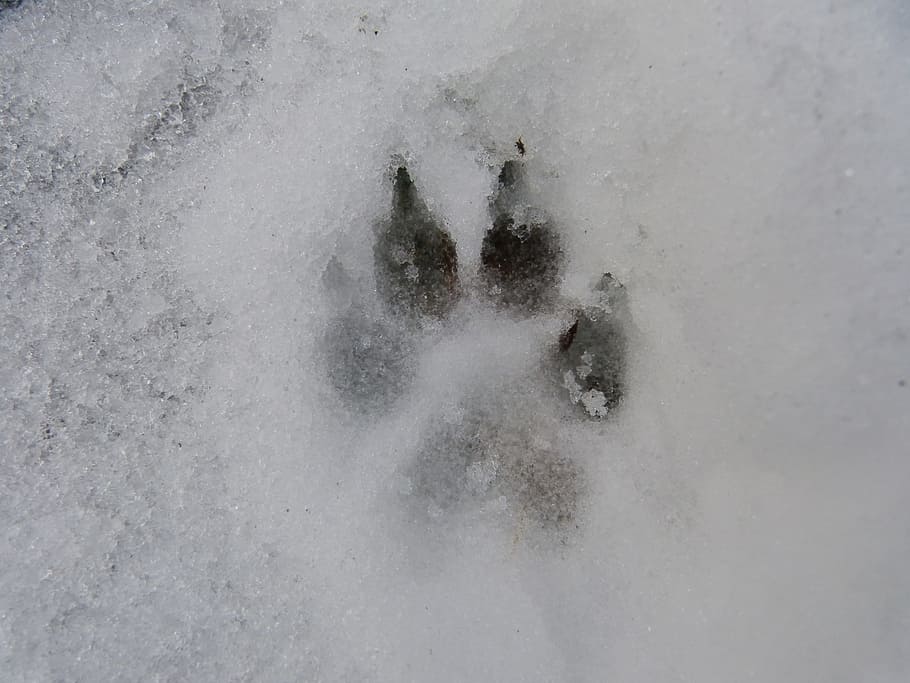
(184, 493)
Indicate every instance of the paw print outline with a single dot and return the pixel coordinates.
(492, 450)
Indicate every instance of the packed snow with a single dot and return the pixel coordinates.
(223, 458)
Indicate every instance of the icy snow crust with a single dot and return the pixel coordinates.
(185, 494)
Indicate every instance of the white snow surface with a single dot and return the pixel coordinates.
(182, 495)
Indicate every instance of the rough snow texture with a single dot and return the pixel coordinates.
(186, 495)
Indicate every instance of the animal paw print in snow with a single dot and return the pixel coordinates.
(494, 449)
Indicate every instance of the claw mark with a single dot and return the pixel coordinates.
(521, 256)
(592, 351)
(566, 338)
(415, 260)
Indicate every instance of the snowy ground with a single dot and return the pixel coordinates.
(184, 497)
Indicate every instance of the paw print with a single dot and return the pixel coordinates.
(494, 446)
